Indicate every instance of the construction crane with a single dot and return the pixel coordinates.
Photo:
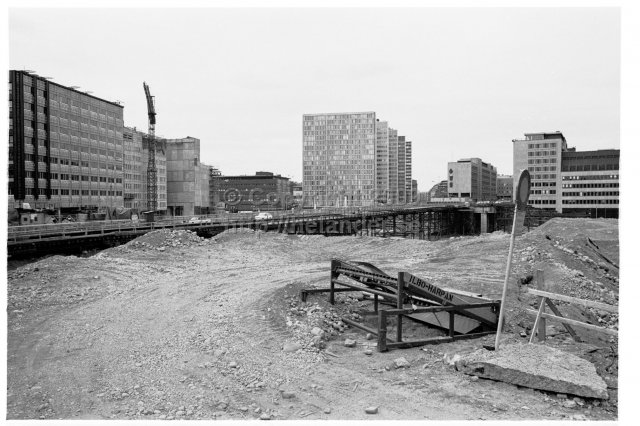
(152, 172)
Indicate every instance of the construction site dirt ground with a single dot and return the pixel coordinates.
(172, 326)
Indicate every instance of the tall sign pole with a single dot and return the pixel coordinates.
(522, 196)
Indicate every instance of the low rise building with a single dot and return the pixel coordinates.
(262, 191)
(591, 182)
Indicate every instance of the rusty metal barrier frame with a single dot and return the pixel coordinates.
(384, 285)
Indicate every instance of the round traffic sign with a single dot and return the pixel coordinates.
(524, 188)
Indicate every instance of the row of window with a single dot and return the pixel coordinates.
(543, 191)
(591, 194)
(66, 176)
(591, 185)
(591, 177)
(54, 191)
(589, 167)
(542, 169)
(543, 176)
(590, 202)
(542, 160)
(541, 153)
(542, 201)
(543, 145)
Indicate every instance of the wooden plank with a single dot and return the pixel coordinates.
(567, 327)
(536, 324)
(576, 323)
(541, 284)
(583, 302)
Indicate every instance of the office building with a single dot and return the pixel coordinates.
(567, 180)
(392, 196)
(65, 147)
(541, 154)
(590, 182)
(136, 161)
(472, 179)
(402, 170)
(262, 191)
(353, 159)
(504, 187)
(408, 176)
(187, 178)
(382, 161)
(339, 164)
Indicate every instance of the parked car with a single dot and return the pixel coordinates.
(264, 216)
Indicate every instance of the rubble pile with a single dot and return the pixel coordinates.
(313, 325)
(163, 239)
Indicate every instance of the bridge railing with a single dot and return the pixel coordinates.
(226, 219)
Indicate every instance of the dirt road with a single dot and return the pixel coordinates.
(171, 326)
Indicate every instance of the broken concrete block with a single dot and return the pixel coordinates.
(401, 363)
(538, 367)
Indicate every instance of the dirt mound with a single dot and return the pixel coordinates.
(165, 238)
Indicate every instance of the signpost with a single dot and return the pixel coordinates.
(522, 196)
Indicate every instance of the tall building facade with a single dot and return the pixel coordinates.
(393, 196)
(339, 159)
(136, 161)
(382, 161)
(472, 178)
(402, 170)
(409, 191)
(541, 154)
(354, 159)
(65, 146)
(187, 178)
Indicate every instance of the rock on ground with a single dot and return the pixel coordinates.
(538, 367)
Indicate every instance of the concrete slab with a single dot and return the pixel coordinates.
(538, 367)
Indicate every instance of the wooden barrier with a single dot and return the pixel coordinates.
(539, 326)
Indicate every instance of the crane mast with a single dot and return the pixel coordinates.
(152, 172)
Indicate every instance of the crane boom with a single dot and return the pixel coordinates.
(152, 173)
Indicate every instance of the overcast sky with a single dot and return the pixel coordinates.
(458, 82)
